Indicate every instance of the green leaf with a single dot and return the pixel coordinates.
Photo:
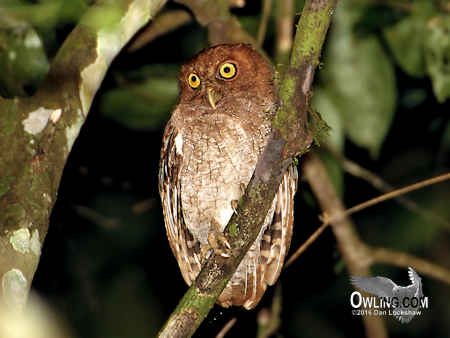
(361, 79)
(437, 55)
(406, 41)
(323, 102)
(48, 13)
(23, 62)
(143, 106)
(406, 38)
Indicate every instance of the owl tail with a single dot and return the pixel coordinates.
(264, 260)
(247, 286)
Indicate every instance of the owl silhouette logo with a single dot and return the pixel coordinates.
(402, 302)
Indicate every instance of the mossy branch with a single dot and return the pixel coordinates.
(37, 134)
(242, 229)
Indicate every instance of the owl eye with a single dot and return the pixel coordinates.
(193, 80)
(228, 70)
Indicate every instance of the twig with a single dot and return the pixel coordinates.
(353, 251)
(327, 220)
(97, 218)
(215, 15)
(397, 192)
(356, 170)
(392, 257)
(267, 6)
(289, 137)
(163, 23)
(305, 245)
(285, 14)
(226, 328)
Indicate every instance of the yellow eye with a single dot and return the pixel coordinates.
(193, 80)
(228, 70)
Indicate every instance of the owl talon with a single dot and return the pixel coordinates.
(219, 243)
(234, 205)
(324, 217)
(205, 250)
(210, 149)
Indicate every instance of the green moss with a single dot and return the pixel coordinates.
(12, 214)
(5, 183)
(287, 89)
(286, 115)
(318, 127)
(233, 230)
(8, 122)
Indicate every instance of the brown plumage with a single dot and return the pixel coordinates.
(210, 148)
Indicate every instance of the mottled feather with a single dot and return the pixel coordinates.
(210, 148)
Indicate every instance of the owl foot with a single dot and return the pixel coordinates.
(234, 205)
(218, 242)
(205, 250)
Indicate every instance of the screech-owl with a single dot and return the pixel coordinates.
(210, 148)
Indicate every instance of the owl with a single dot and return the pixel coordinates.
(210, 148)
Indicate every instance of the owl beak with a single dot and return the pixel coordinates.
(211, 98)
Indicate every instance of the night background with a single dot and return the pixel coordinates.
(106, 267)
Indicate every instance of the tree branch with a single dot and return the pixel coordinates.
(163, 24)
(397, 258)
(37, 134)
(382, 255)
(285, 15)
(267, 6)
(356, 170)
(215, 15)
(245, 224)
(354, 252)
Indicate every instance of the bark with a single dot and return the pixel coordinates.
(289, 138)
(37, 134)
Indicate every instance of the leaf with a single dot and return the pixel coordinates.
(406, 41)
(143, 106)
(406, 38)
(23, 62)
(47, 14)
(437, 55)
(361, 79)
(323, 102)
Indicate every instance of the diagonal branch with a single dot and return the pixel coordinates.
(376, 181)
(380, 255)
(37, 134)
(402, 259)
(290, 137)
(354, 251)
(215, 15)
(162, 24)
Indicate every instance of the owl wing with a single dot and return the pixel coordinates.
(263, 262)
(277, 237)
(184, 246)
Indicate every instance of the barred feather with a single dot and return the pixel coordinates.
(209, 152)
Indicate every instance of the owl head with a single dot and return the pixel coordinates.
(224, 74)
